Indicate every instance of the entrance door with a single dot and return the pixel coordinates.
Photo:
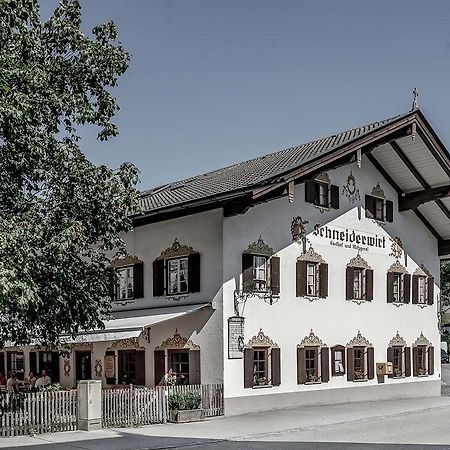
(83, 365)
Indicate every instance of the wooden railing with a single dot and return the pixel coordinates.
(38, 412)
(137, 406)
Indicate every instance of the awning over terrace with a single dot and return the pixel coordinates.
(129, 327)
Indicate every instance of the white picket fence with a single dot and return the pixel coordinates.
(38, 412)
(137, 406)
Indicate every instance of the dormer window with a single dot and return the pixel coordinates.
(322, 193)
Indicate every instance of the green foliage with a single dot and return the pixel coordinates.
(445, 278)
(61, 216)
(184, 400)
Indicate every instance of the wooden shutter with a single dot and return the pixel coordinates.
(112, 285)
(415, 289)
(430, 352)
(194, 367)
(138, 278)
(310, 192)
(159, 358)
(370, 206)
(334, 196)
(415, 362)
(275, 275)
(158, 278)
(349, 283)
(275, 366)
(390, 358)
(389, 211)
(194, 272)
(248, 282)
(140, 368)
(325, 364)
(430, 293)
(350, 365)
(301, 369)
(390, 287)
(370, 363)
(407, 370)
(248, 368)
(323, 280)
(300, 278)
(369, 285)
(406, 288)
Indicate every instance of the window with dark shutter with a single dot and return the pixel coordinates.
(430, 361)
(275, 366)
(194, 367)
(275, 275)
(389, 211)
(370, 363)
(310, 192)
(158, 278)
(138, 277)
(369, 285)
(406, 288)
(248, 283)
(323, 280)
(300, 278)
(194, 272)
(334, 192)
(350, 365)
(390, 287)
(112, 284)
(349, 283)
(407, 353)
(430, 289)
(140, 368)
(370, 206)
(159, 366)
(301, 369)
(390, 358)
(415, 289)
(248, 368)
(325, 364)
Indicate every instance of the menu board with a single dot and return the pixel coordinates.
(235, 337)
(110, 366)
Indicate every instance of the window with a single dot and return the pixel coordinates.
(323, 194)
(16, 364)
(179, 365)
(358, 363)
(421, 360)
(358, 284)
(260, 272)
(398, 285)
(338, 361)
(131, 367)
(177, 276)
(379, 208)
(311, 364)
(397, 361)
(397, 288)
(260, 371)
(126, 283)
(312, 283)
(422, 290)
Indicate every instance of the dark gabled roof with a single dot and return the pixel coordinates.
(249, 174)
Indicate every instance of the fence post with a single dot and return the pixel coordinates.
(89, 405)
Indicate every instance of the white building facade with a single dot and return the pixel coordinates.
(289, 278)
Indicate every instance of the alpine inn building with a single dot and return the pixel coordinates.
(290, 278)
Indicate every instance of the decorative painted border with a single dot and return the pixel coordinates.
(358, 262)
(261, 340)
(397, 341)
(359, 341)
(311, 255)
(177, 341)
(175, 250)
(259, 247)
(311, 341)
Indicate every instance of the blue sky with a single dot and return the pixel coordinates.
(214, 82)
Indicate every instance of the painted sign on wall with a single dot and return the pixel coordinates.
(235, 337)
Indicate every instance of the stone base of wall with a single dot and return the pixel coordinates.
(241, 405)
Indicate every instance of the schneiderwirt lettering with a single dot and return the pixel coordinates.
(350, 236)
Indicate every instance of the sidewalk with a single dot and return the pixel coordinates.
(254, 426)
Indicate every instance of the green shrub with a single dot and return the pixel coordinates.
(184, 401)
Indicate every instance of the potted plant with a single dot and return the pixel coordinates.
(397, 372)
(359, 375)
(185, 407)
(311, 378)
(262, 381)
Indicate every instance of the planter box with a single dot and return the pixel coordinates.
(188, 415)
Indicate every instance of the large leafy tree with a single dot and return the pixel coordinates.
(61, 216)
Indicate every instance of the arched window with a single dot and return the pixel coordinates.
(398, 284)
(423, 357)
(400, 357)
(359, 280)
(312, 360)
(360, 359)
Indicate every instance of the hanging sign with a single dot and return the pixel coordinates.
(235, 337)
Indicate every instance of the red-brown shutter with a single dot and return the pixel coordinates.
(248, 282)
(275, 366)
(430, 296)
(160, 366)
(323, 280)
(275, 275)
(194, 367)
(406, 288)
(112, 284)
(430, 352)
(350, 365)
(349, 283)
(369, 285)
(300, 278)
(389, 211)
(325, 364)
(407, 370)
(390, 287)
(370, 206)
(158, 278)
(370, 363)
(138, 279)
(140, 368)
(301, 369)
(390, 358)
(415, 289)
(415, 363)
(334, 196)
(310, 192)
(194, 272)
(248, 368)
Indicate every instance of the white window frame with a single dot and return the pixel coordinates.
(125, 280)
(178, 271)
(378, 201)
(398, 282)
(364, 363)
(314, 267)
(260, 266)
(362, 283)
(339, 369)
(323, 192)
(422, 285)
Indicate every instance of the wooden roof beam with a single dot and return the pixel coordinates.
(412, 200)
(444, 247)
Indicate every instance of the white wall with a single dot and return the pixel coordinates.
(334, 319)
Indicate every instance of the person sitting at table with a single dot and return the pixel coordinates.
(30, 380)
(12, 385)
(43, 381)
